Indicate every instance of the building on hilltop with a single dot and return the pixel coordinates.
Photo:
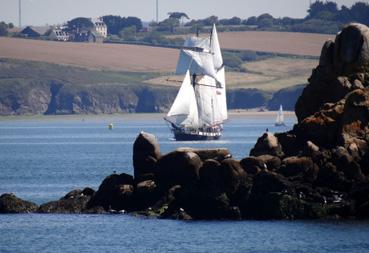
(34, 31)
(57, 34)
(100, 27)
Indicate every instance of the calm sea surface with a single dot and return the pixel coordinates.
(43, 159)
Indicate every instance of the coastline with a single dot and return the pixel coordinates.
(135, 116)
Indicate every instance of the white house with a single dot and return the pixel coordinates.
(100, 27)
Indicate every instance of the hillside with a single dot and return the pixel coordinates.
(118, 57)
(44, 77)
(122, 57)
(307, 44)
(28, 87)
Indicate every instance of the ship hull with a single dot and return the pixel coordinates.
(195, 137)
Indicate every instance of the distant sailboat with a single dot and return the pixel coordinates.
(200, 107)
(280, 117)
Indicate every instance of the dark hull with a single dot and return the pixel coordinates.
(194, 137)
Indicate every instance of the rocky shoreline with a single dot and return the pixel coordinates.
(318, 170)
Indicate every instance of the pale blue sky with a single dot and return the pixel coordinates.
(41, 12)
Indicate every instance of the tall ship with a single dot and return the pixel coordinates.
(279, 121)
(200, 108)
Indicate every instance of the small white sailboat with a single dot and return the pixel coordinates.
(280, 117)
(200, 108)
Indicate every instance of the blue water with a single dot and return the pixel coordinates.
(43, 159)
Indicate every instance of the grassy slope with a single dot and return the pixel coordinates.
(268, 75)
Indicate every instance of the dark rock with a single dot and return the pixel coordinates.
(146, 152)
(289, 143)
(146, 194)
(322, 127)
(329, 176)
(73, 202)
(232, 174)
(304, 166)
(354, 125)
(178, 168)
(115, 192)
(9, 203)
(211, 176)
(341, 63)
(252, 165)
(272, 162)
(266, 182)
(218, 154)
(267, 145)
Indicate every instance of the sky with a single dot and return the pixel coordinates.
(42, 12)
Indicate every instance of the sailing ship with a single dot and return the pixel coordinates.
(280, 117)
(200, 107)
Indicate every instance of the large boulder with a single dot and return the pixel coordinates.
(299, 166)
(267, 144)
(146, 153)
(343, 67)
(218, 154)
(9, 203)
(322, 128)
(178, 168)
(354, 125)
(115, 192)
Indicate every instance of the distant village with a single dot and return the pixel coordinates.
(97, 33)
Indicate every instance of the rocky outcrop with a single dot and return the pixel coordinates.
(73, 202)
(9, 203)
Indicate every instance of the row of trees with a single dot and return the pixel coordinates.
(115, 24)
(322, 17)
(4, 27)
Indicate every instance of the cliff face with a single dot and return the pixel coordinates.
(41, 88)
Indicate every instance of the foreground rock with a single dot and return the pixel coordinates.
(9, 203)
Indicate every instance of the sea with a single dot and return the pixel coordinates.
(43, 158)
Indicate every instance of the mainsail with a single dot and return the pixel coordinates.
(184, 109)
(201, 101)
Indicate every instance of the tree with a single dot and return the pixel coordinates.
(128, 33)
(265, 20)
(231, 21)
(113, 24)
(132, 21)
(3, 29)
(10, 25)
(210, 20)
(168, 25)
(320, 6)
(116, 23)
(80, 24)
(360, 12)
(251, 21)
(178, 15)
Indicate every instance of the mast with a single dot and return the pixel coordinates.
(20, 13)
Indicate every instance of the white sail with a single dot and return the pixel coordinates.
(215, 49)
(185, 59)
(280, 116)
(196, 42)
(202, 63)
(184, 108)
(205, 92)
(221, 95)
